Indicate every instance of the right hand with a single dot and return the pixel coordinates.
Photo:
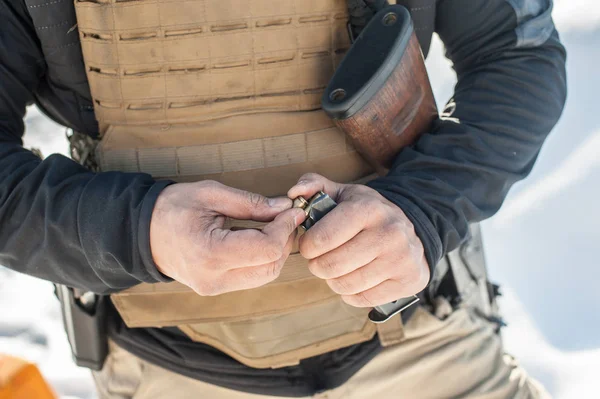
(190, 244)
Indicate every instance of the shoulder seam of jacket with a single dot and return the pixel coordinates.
(534, 21)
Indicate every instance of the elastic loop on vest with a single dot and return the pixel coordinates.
(391, 332)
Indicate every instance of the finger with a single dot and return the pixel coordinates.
(358, 252)
(251, 247)
(336, 228)
(280, 229)
(385, 292)
(256, 276)
(285, 251)
(361, 279)
(245, 205)
(311, 183)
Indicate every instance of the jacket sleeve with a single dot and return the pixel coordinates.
(510, 93)
(58, 221)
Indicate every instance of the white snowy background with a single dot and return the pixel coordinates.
(542, 246)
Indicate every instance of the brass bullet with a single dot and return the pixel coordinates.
(300, 202)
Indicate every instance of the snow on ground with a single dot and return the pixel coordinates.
(541, 246)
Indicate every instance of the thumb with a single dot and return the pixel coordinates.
(245, 205)
(311, 183)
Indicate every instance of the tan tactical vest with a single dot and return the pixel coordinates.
(228, 90)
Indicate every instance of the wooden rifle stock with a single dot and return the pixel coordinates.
(381, 98)
(380, 95)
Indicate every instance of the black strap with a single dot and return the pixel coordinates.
(314, 371)
(361, 12)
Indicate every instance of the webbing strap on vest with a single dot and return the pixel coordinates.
(361, 12)
(391, 332)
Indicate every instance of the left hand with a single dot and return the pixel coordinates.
(365, 248)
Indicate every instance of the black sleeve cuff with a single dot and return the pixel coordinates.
(144, 231)
(114, 216)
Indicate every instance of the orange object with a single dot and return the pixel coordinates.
(22, 380)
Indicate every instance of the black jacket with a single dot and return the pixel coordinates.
(62, 223)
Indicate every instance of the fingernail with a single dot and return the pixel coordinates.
(280, 203)
(300, 216)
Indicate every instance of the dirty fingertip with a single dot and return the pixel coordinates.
(300, 188)
(282, 203)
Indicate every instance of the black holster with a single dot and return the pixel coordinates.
(85, 317)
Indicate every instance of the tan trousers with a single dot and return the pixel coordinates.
(459, 357)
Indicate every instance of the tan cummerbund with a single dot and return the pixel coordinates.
(295, 317)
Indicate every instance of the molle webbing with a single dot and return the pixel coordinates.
(194, 60)
(264, 153)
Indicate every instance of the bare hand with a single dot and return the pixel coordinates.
(190, 244)
(365, 248)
